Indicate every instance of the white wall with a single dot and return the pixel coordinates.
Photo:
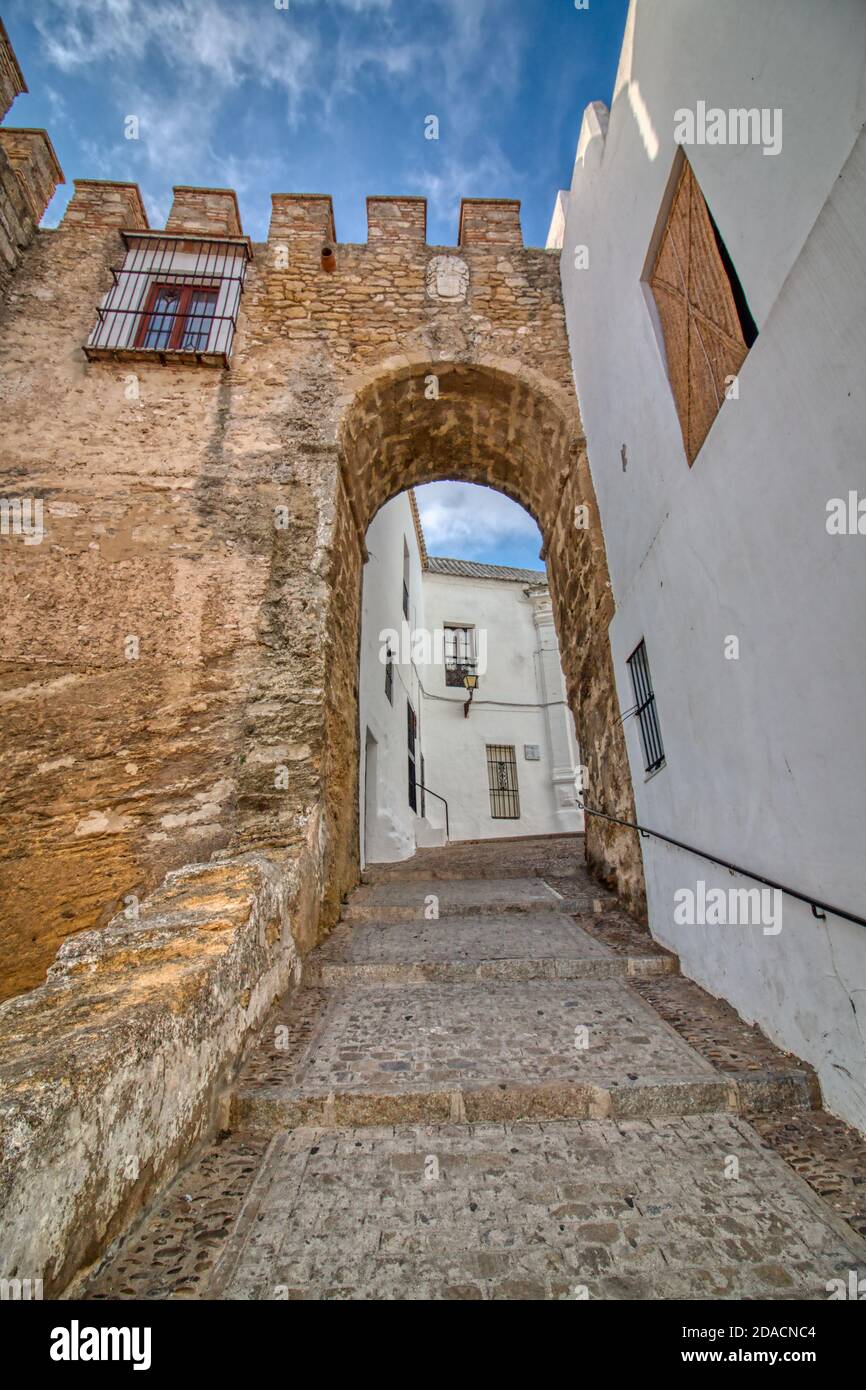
(391, 835)
(507, 709)
(765, 754)
(520, 701)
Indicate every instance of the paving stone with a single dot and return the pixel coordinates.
(530, 1211)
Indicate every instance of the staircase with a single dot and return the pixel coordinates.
(445, 999)
(495, 1084)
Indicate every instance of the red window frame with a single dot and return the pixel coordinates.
(180, 319)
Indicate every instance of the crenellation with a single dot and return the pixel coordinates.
(106, 203)
(490, 222)
(12, 82)
(31, 155)
(204, 211)
(396, 219)
(302, 215)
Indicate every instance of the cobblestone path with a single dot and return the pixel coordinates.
(494, 1084)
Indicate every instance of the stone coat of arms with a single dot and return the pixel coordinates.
(447, 278)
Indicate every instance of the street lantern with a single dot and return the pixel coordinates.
(470, 682)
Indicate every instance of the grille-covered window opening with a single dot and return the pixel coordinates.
(175, 297)
(412, 732)
(645, 709)
(502, 782)
(459, 652)
(389, 677)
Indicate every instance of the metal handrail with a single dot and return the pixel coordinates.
(819, 909)
(444, 803)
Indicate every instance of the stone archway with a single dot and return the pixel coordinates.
(496, 422)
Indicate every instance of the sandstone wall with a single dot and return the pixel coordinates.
(160, 488)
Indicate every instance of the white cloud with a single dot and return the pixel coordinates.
(465, 521)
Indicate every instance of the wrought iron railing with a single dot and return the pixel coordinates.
(176, 297)
(819, 908)
(444, 803)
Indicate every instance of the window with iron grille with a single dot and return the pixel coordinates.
(412, 729)
(459, 652)
(175, 297)
(502, 782)
(645, 709)
(705, 319)
(405, 580)
(389, 677)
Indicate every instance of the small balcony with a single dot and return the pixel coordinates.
(175, 299)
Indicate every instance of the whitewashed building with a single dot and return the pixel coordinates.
(715, 285)
(433, 762)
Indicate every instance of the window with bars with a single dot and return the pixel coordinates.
(175, 297)
(645, 709)
(705, 319)
(459, 652)
(389, 677)
(405, 580)
(502, 782)
(412, 732)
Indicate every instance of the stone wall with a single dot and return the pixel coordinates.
(160, 487)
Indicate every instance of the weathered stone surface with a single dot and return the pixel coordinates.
(112, 1070)
(597, 1209)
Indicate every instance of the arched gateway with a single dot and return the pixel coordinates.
(181, 723)
(497, 421)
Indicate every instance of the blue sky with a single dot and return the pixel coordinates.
(322, 96)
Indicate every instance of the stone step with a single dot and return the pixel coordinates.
(417, 900)
(573, 1210)
(329, 976)
(504, 1051)
(517, 857)
(751, 1093)
(534, 945)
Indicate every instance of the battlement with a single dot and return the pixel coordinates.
(31, 156)
(307, 218)
(212, 211)
(12, 82)
(104, 203)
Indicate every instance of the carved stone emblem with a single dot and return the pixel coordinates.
(447, 278)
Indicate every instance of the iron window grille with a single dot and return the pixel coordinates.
(502, 782)
(459, 653)
(175, 298)
(412, 731)
(645, 709)
(389, 678)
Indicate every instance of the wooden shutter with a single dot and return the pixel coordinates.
(703, 336)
